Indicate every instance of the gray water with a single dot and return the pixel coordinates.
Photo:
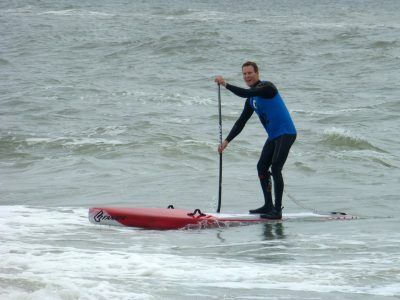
(113, 103)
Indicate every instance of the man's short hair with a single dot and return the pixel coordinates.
(250, 63)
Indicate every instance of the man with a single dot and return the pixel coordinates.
(264, 99)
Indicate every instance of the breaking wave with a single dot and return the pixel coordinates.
(337, 137)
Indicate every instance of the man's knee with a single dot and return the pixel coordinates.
(276, 170)
(262, 168)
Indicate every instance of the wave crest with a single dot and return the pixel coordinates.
(345, 139)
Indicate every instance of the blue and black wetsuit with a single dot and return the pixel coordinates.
(264, 99)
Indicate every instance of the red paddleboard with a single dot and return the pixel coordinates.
(164, 218)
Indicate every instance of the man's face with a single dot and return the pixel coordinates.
(249, 76)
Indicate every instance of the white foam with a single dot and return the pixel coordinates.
(75, 12)
(93, 141)
(39, 140)
(76, 141)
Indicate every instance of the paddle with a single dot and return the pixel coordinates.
(220, 154)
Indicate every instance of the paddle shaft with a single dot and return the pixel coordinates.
(220, 154)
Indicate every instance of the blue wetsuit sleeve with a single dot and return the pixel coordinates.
(266, 90)
(241, 122)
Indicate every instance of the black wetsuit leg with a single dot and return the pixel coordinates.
(274, 155)
(264, 175)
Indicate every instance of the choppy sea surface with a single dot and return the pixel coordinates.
(113, 103)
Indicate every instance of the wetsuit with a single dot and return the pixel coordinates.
(264, 99)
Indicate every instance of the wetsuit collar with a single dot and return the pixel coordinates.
(257, 83)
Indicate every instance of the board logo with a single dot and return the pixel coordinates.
(101, 216)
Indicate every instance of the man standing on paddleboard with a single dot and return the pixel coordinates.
(264, 99)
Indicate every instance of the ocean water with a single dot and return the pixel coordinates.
(113, 103)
